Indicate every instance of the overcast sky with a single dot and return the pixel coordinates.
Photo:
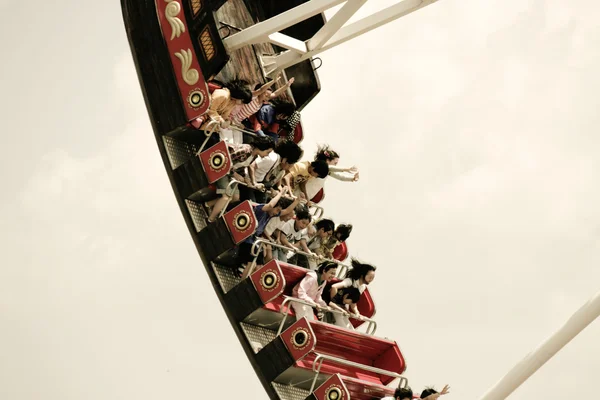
(475, 127)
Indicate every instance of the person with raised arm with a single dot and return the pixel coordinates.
(260, 95)
(267, 120)
(222, 103)
(263, 213)
(331, 157)
(432, 394)
(241, 155)
(310, 289)
(303, 171)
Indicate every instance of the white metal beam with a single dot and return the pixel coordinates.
(259, 32)
(288, 42)
(534, 360)
(376, 20)
(288, 58)
(334, 24)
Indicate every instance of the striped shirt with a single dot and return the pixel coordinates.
(243, 111)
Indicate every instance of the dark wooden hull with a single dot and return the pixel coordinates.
(167, 115)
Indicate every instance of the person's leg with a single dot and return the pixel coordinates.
(343, 321)
(218, 207)
(302, 311)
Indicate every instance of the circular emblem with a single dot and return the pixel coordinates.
(300, 338)
(333, 393)
(196, 98)
(269, 280)
(217, 160)
(242, 221)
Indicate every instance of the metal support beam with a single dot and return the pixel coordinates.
(334, 24)
(376, 20)
(534, 360)
(260, 32)
(288, 42)
(364, 25)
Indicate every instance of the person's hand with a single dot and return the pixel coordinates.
(224, 124)
(355, 177)
(259, 186)
(289, 83)
(353, 169)
(445, 390)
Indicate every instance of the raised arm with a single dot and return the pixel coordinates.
(264, 88)
(282, 89)
(292, 206)
(273, 203)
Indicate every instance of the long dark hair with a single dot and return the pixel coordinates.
(326, 153)
(359, 270)
(239, 89)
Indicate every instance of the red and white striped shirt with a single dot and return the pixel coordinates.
(243, 111)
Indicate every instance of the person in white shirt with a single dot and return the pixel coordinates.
(310, 289)
(359, 277)
(267, 172)
(293, 234)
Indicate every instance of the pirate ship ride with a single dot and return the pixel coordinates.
(180, 47)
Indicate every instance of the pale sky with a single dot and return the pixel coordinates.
(474, 124)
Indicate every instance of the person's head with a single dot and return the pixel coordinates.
(428, 392)
(350, 295)
(239, 90)
(283, 109)
(327, 270)
(303, 218)
(325, 153)
(342, 232)
(319, 169)
(265, 95)
(361, 271)
(324, 228)
(263, 144)
(403, 394)
(289, 152)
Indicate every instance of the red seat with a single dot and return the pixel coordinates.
(340, 252)
(317, 198)
(370, 355)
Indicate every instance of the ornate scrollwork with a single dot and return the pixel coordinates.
(190, 75)
(171, 12)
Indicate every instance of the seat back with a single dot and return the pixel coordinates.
(340, 252)
(317, 198)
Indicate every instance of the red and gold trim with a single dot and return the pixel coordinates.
(332, 389)
(299, 339)
(216, 161)
(268, 281)
(191, 83)
(241, 222)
